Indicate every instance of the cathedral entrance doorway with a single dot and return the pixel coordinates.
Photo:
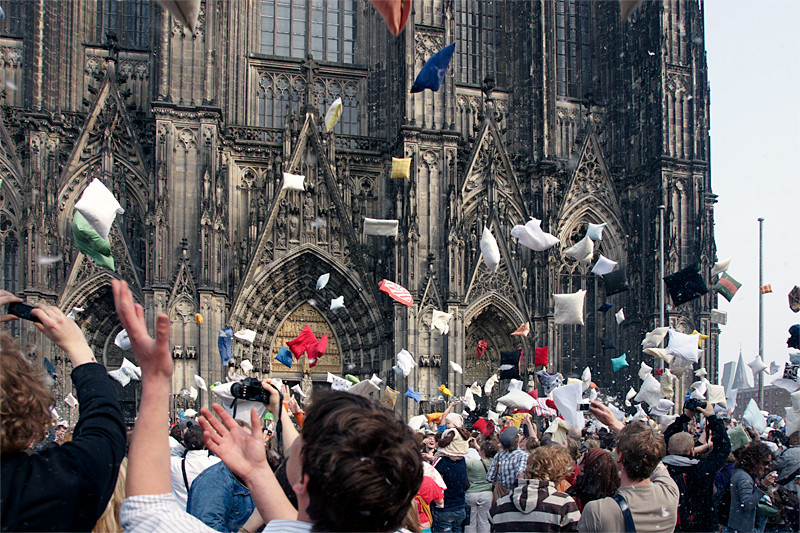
(309, 378)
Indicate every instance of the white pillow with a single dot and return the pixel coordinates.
(581, 251)
(441, 321)
(795, 397)
(569, 308)
(661, 353)
(701, 372)
(293, 182)
(514, 384)
(405, 362)
(247, 335)
(650, 392)
(337, 303)
(644, 370)
(487, 387)
(416, 422)
(456, 368)
(666, 384)
(721, 266)
(122, 341)
(586, 379)
(603, 266)
(655, 337)
(363, 388)
(516, 399)
(684, 346)
(630, 396)
(757, 366)
(620, 316)
(680, 366)
(719, 317)
(716, 395)
(476, 389)
(532, 236)
(595, 231)
(489, 249)
(323, 280)
(753, 417)
(567, 399)
(99, 207)
(200, 382)
(662, 407)
(380, 227)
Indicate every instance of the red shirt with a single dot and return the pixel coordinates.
(429, 491)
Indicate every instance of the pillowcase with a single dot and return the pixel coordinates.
(620, 316)
(721, 266)
(541, 356)
(655, 337)
(661, 353)
(89, 242)
(644, 370)
(603, 266)
(650, 392)
(686, 285)
(618, 363)
(510, 359)
(441, 321)
(380, 227)
(489, 250)
(516, 399)
(532, 236)
(616, 281)
(293, 182)
(569, 308)
(389, 398)
(727, 286)
(333, 114)
(684, 346)
(757, 366)
(401, 167)
(719, 317)
(595, 231)
(582, 251)
(99, 207)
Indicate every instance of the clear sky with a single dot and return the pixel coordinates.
(754, 70)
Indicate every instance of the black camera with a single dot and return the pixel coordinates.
(250, 389)
(692, 404)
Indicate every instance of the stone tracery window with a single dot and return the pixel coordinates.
(128, 19)
(13, 25)
(326, 29)
(477, 33)
(573, 48)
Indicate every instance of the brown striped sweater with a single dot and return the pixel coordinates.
(534, 505)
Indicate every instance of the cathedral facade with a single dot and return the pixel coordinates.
(556, 109)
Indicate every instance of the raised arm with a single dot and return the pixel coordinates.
(243, 453)
(148, 457)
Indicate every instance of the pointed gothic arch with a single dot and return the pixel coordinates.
(279, 288)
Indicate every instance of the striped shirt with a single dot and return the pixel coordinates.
(534, 505)
(507, 466)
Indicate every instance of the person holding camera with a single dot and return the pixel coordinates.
(66, 487)
(695, 477)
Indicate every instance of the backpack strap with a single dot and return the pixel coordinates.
(626, 513)
(183, 469)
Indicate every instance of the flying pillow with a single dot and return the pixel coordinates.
(293, 182)
(595, 231)
(516, 399)
(532, 236)
(582, 251)
(603, 266)
(99, 207)
(569, 308)
(401, 167)
(490, 250)
(616, 282)
(727, 286)
(655, 337)
(686, 285)
(684, 346)
(380, 227)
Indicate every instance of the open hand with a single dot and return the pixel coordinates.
(152, 355)
(240, 450)
(605, 416)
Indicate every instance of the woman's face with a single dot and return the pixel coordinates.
(429, 441)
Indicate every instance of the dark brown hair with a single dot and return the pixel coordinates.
(598, 477)
(642, 448)
(24, 400)
(753, 456)
(363, 465)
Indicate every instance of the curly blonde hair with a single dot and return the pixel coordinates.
(549, 463)
(109, 520)
(24, 399)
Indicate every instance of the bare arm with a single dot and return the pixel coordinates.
(243, 453)
(148, 457)
(605, 416)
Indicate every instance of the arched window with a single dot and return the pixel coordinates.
(573, 48)
(276, 98)
(477, 34)
(326, 29)
(128, 19)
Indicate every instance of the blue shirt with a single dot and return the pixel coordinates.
(219, 500)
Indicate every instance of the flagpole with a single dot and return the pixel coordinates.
(761, 309)
(660, 362)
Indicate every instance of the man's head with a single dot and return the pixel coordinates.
(794, 438)
(508, 438)
(755, 459)
(681, 444)
(639, 450)
(355, 465)
(24, 400)
(193, 438)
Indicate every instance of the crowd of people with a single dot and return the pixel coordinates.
(348, 464)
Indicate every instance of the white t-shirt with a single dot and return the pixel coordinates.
(196, 462)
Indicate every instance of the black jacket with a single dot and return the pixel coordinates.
(695, 478)
(67, 487)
